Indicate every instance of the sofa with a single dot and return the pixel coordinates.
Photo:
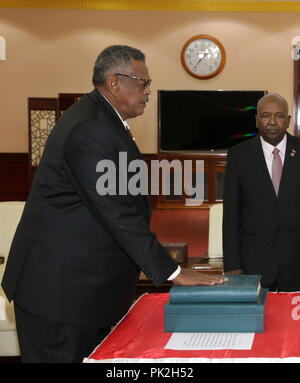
(10, 214)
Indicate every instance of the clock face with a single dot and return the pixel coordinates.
(203, 57)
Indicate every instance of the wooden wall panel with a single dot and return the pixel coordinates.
(14, 185)
(16, 178)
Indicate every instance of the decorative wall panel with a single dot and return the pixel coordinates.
(41, 122)
(42, 115)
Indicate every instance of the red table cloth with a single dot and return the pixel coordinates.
(140, 336)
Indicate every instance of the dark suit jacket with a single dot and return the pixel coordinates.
(261, 231)
(76, 255)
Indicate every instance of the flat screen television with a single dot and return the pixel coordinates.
(205, 120)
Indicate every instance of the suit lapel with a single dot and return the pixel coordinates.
(290, 167)
(116, 123)
(120, 131)
(133, 146)
(261, 168)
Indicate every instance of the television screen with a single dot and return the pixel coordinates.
(205, 120)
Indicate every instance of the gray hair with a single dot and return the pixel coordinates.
(114, 57)
(276, 96)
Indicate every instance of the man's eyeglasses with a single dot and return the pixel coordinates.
(146, 81)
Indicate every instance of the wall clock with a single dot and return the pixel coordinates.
(203, 56)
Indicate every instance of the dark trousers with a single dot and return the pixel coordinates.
(279, 285)
(45, 341)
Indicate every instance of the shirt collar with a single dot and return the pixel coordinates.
(123, 122)
(268, 148)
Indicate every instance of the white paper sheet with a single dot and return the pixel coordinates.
(210, 341)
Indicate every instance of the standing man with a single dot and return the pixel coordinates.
(76, 255)
(261, 218)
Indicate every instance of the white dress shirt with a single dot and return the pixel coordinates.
(268, 149)
(126, 126)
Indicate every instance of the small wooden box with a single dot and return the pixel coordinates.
(178, 251)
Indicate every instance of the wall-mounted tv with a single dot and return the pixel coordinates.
(205, 120)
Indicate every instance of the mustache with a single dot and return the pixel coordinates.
(274, 126)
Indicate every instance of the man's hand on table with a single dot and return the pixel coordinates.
(191, 278)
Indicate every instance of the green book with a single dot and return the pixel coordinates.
(216, 317)
(239, 288)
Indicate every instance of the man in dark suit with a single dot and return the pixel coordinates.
(261, 216)
(77, 254)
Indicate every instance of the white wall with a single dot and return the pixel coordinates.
(53, 51)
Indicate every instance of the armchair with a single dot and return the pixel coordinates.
(215, 250)
(10, 214)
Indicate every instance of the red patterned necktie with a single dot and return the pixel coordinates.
(276, 169)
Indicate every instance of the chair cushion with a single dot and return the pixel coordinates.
(10, 214)
(215, 243)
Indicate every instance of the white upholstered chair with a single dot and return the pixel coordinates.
(215, 251)
(10, 214)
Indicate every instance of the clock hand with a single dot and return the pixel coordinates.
(201, 58)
